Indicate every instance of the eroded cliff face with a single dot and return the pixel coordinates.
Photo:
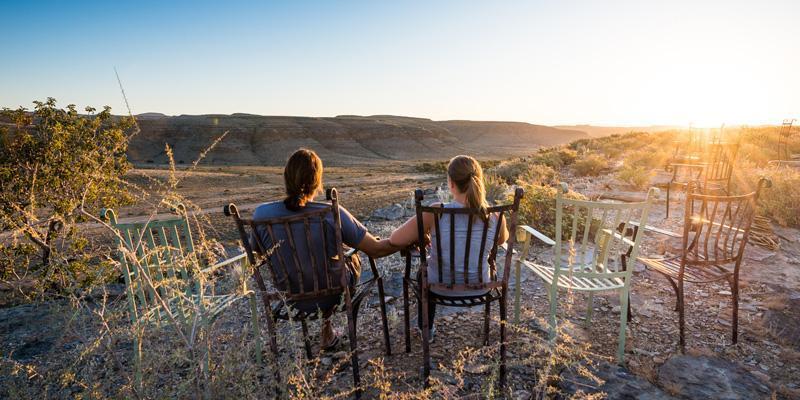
(343, 140)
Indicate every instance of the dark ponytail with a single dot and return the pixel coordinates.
(302, 177)
(466, 173)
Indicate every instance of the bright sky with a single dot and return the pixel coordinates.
(553, 62)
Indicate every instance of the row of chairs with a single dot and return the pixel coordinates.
(594, 248)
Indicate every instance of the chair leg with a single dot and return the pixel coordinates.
(589, 309)
(503, 340)
(256, 327)
(386, 344)
(735, 305)
(517, 289)
(137, 361)
(681, 318)
(351, 325)
(273, 345)
(553, 296)
(426, 355)
(406, 316)
(487, 315)
(669, 185)
(306, 339)
(623, 325)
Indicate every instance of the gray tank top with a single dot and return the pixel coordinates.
(460, 224)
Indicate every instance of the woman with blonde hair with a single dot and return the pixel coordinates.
(465, 180)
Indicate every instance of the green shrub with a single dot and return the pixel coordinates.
(538, 208)
(523, 170)
(781, 202)
(435, 167)
(591, 165)
(496, 188)
(555, 157)
(638, 177)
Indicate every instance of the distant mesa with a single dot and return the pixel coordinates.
(150, 115)
(341, 140)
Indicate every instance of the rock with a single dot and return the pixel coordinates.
(703, 377)
(391, 213)
(521, 395)
(617, 382)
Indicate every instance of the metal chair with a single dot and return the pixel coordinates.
(715, 233)
(165, 283)
(594, 257)
(713, 170)
(288, 288)
(496, 287)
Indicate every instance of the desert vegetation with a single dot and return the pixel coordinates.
(59, 168)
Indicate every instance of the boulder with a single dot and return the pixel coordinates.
(615, 381)
(703, 377)
(390, 213)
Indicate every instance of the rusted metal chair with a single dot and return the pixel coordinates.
(716, 229)
(713, 171)
(286, 289)
(496, 287)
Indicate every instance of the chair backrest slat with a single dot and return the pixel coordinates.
(295, 256)
(452, 218)
(484, 234)
(438, 244)
(327, 263)
(466, 247)
(275, 241)
(312, 254)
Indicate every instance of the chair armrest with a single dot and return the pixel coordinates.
(538, 235)
(657, 230)
(619, 236)
(224, 263)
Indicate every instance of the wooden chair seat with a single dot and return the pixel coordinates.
(575, 282)
(691, 273)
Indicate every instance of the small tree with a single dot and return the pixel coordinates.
(55, 164)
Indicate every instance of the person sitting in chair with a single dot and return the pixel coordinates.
(303, 180)
(465, 179)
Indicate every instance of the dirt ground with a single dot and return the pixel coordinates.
(769, 344)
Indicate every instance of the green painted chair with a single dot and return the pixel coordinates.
(166, 282)
(592, 251)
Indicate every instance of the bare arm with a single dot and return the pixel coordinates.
(408, 233)
(376, 248)
(503, 232)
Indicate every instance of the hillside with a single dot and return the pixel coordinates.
(267, 140)
(600, 131)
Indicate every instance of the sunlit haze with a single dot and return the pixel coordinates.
(559, 62)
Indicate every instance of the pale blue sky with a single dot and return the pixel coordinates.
(549, 62)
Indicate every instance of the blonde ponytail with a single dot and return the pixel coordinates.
(467, 175)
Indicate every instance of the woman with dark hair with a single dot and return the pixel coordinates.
(465, 179)
(303, 180)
